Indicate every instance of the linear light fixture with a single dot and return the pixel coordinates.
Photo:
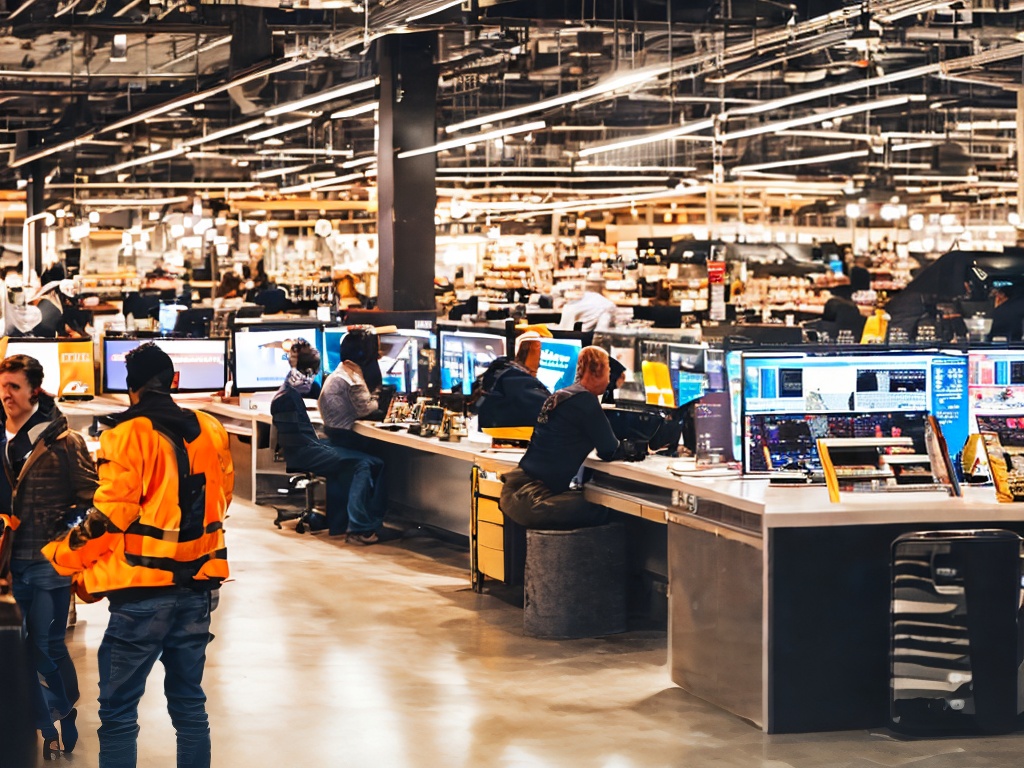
(358, 109)
(139, 202)
(476, 138)
(279, 129)
(169, 106)
(987, 125)
(832, 158)
(818, 117)
(650, 138)
(581, 167)
(432, 11)
(156, 157)
(359, 161)
(613, 84)
(272, 172)
(311, 185)
(223, 133)
(306, 152)
(320, 98)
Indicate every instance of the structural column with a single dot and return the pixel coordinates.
(35, 203)
(405, 187)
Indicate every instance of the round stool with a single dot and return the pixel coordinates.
(575, 582)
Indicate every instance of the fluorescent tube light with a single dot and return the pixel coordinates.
(319, 98)
(279, 129)
(832, 158)
(613, 84)
(368, 160)
(476, 138)
(223, 133)
(153, 158)
(818, 117)
(673, 133)
(358, 109)
(432, 11)
(310, 186)
(271, 173)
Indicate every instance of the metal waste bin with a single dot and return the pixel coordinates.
(954, 631)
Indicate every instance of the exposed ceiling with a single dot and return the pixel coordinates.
(917, 99)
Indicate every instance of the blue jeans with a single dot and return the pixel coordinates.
(44, 597)
(367, 499)
(335, 466)
(173, 626)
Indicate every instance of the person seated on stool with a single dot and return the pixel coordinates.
(508, 393)
(302, 447)
(346, 397)
(570, 425)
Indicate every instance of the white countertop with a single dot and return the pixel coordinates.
(799, 507)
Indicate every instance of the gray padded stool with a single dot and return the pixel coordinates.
(575, 582)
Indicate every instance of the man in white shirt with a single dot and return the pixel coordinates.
(593, 310)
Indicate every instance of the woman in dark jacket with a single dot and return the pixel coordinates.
(48, 479)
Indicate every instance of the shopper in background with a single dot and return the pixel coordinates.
(153, 545)
(345, 398)
(1007, 312)
(48, 481)
(594, 311)
(571, 424)
(508, 393)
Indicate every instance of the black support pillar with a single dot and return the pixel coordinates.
(405, 187)
(35, 204)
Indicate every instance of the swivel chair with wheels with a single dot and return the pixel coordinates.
(298, 480)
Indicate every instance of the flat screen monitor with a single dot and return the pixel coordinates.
(685, 364)
(169, 316)
(261, 355)
(878, 388)
(401, 363)
(464, 356)
(558, 362)
(201, 363)
(67, 364)
(995, 381)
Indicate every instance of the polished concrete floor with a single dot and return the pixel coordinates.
(328, 654)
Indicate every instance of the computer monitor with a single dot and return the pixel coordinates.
(67, 364)
(201, 363)
(995, 381)
(260, 360)
(464, 356)
(194, 322)
(558, 362)
(168, 317)
(879, 389)
(684, 365)
(401, 363)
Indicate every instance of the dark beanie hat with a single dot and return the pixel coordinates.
(147, 362)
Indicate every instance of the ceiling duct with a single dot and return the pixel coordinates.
(951, 159)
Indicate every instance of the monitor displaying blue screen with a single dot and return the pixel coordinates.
(464, 356)
(860, 396)
(558, 362)
(686, 369)
(201, 363)
(399, 361)
(261, 354)
(169, 316)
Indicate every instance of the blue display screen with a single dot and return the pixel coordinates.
(558, 362)
(201, 363)
(464, 356)
(877, 388)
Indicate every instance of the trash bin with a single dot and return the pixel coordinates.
(575, 582)
(954, 631)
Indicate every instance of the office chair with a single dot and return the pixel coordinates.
(298, 480)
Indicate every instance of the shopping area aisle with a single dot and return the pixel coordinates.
(332, 655)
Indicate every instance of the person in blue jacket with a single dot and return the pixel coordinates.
(508, 393)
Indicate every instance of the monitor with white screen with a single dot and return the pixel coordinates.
(996, 381)
(464, 356)
(261, 354)
(67, 364)
(791, 400)
(201, 363)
